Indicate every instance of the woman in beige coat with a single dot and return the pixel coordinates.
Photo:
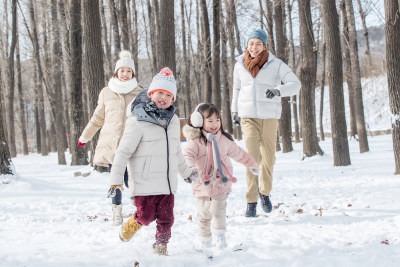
(110, 116)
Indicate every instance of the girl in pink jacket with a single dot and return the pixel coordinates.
(208, 149)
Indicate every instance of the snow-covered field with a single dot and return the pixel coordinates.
(323, 215)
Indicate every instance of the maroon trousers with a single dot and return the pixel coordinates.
(159, 208)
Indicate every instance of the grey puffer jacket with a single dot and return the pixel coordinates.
(151, 151)
(248, 97)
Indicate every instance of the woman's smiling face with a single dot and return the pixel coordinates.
(124, 74)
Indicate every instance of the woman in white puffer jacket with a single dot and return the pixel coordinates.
(259, 81)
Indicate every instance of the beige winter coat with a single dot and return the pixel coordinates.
(110, 116)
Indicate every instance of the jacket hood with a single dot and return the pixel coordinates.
(190, 132)
(142, 102)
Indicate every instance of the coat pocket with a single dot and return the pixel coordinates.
(140, 168)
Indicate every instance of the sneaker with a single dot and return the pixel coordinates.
(266, 203)
(221, 241)
(251, 210)
(160, 249)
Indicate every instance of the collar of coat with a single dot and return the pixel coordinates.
(145, 110)
(191, 132)
(271, 57)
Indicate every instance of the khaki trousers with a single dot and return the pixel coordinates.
(260, 137)
(211, 209)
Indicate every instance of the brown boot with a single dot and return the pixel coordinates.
(129, 229)
(160, 249)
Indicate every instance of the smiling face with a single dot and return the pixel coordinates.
(162, 99)
(255, 47)
(124, 74)
(212, 124)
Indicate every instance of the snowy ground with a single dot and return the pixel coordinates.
(323, 216)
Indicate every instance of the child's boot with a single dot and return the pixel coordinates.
(160, 249)
(129, 229)
(221, 240)
(117, 214)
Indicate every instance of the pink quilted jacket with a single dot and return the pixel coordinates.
(195, 156)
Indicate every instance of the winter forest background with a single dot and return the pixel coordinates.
(335, 191)
(57, 55)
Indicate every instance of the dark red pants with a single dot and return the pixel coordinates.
(159, 208)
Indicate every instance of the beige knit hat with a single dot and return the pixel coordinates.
(125, 60)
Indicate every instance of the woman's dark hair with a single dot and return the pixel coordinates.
(207, 110)
(115, 75)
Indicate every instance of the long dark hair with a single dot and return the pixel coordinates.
(207, 110)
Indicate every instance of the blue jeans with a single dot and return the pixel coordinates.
(118, 196)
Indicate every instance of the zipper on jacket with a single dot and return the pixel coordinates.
(169, 184)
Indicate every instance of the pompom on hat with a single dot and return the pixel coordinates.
(259, 34)
(125, 60)
(163, 81)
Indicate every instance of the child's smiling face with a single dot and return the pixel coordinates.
(212, 124)
(124, 74)
(162, 99)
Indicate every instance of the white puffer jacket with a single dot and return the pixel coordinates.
(249, 93)
(151, 153)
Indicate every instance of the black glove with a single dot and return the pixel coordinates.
(236, 118)
(271, 93)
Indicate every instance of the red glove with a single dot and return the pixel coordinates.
(81, 144)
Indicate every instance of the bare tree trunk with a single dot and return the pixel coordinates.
(21, 103)
(11, 82)
(115, 29)
(261, 14)
(38, 82)
(57, 95)
(235, 23)
(5, 158)
(124, 24)
(79, 155)
(94, 58)
(392, 29)
(365, 30)
(135, 39)
(285, 124)
(270, 26)
(341, 155)
(307, 78)
(108, 66)
(152, 15)
(226, 107)
(66, 56)
(292, 64)
(206, 39)
(348, 75)
(356, 79)
(186, 64)
(216, 79)
(322, 86)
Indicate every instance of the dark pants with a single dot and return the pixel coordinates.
(118, 196)
(157, 207)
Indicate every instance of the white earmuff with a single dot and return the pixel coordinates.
(196, 118)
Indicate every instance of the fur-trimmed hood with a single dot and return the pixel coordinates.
(190, 132)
